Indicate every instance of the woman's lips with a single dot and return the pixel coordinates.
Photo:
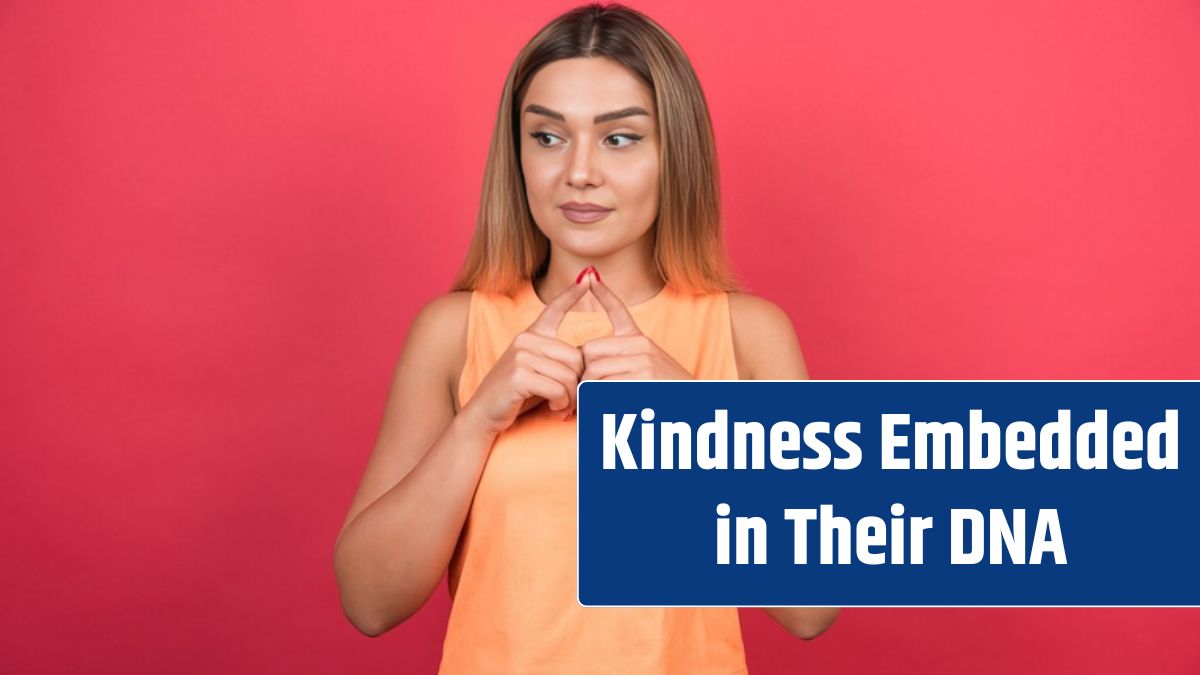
(577, 216)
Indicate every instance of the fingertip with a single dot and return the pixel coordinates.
(592, 282)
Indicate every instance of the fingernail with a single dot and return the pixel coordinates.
(579, 279)
(597, 273)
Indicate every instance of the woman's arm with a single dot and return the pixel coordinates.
(766, 348)
(805, 623)
(407, 515)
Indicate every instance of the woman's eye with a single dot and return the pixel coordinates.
(633, 138)
(538, 135)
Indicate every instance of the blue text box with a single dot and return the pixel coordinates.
(1119, 536)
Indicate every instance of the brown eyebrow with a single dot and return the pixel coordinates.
(605, 117)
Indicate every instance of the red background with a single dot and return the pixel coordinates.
(219, 220)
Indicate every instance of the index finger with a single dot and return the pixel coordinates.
(556, 310)
(618, 314)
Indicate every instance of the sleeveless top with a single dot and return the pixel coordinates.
(513, 574)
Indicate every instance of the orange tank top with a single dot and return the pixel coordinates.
(513, 575)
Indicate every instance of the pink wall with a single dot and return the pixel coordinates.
(220, 218)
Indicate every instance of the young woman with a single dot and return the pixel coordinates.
(597, 255)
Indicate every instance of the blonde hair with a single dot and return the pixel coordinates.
(507, 248)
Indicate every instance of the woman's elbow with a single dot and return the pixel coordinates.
(372, 623)
(362, 607)
(362, 616)
(811, 624)
(365, 625)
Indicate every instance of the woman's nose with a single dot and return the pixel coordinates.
(583, 170)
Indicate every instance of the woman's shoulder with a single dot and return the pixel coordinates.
(443, 315)
(764, 339)
(753, 307)
(757, 315)
(446, 306)
(439, 332)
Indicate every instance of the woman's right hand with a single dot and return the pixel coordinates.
(536, 367)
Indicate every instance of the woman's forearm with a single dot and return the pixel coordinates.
(391, 557)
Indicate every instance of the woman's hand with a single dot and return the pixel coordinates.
(536, 366)
(627, 354)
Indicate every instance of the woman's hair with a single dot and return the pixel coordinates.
(507, 248)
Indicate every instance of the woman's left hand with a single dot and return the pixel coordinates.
(628, 354)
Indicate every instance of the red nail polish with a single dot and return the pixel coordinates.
(579, 278)
(597, 273)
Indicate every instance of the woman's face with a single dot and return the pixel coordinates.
(589, 134)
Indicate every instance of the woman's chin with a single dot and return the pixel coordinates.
(590, 244)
